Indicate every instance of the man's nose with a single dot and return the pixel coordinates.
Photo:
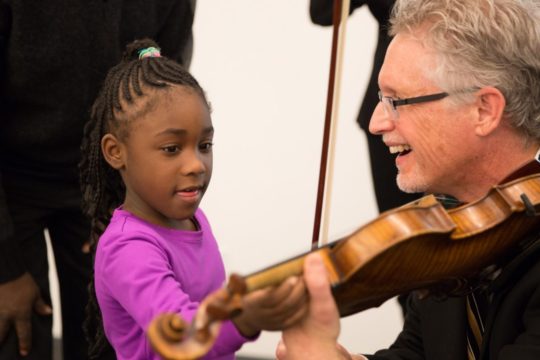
(380, 122)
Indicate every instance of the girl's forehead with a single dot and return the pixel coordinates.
(152, 99)
(172, 108)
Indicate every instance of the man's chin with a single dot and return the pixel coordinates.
(410, 186)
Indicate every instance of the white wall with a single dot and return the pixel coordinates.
(265, 69)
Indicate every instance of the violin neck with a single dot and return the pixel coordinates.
(276, 274)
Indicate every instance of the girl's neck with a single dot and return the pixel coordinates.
(188, 224)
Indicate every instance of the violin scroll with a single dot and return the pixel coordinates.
(175, 339)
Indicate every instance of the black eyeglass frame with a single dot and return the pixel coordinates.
(414, 100)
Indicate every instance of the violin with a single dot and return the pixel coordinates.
(420, 245)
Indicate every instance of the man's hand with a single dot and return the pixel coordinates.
(314, 337)
(17, 300)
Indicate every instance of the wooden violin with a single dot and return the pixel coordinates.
(420, 245)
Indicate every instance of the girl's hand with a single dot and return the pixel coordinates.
(273, 308)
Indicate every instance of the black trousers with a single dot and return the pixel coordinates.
(34, 206)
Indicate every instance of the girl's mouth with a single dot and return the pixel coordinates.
(190, 194)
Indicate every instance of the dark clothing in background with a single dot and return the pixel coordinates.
(54, 56)
(383, 168)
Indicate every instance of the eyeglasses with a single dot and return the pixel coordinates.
(390, 104)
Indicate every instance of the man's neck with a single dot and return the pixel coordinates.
(500, 165)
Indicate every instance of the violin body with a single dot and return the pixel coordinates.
(420, 245)
(430, 247)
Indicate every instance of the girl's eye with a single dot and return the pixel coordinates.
(206, 146)
(171, 149)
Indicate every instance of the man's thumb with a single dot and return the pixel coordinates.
(41, 308)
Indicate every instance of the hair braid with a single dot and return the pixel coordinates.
(101, 185)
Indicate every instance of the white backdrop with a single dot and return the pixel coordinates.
(264, 66)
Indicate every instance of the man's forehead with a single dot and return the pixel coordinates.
(407, 63)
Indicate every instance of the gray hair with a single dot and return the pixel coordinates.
(483, 43)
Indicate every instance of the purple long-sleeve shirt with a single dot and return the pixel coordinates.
(142, 270)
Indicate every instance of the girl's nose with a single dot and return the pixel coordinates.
(380, 122)
(193, 163)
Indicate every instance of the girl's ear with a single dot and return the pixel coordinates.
(112, 151)
(491, 103)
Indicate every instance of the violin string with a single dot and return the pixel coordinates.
(447, 201)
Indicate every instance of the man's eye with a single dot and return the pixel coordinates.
(171, 149)
(206, 146)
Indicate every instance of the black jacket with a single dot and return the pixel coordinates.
(54, 56)
(435, 330)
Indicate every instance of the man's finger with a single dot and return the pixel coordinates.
(24, 334)
(318, 284)
(42, 308)
(316, 275)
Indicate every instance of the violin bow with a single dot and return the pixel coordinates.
(326, 170)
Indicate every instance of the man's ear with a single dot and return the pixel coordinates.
(112, 151)
(490, 104)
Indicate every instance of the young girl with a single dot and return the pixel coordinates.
(147, 163)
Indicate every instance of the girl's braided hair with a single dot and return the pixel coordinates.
(141, 68)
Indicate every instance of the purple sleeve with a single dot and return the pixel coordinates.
(139, 277)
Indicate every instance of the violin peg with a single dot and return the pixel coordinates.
(177, 325)
(237, 284)
(171, 326)
(228, 303)
(226, 309)
(174, 339)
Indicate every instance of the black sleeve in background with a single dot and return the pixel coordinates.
(176, 36)
(11, 264)
(5, 25)
(6, 227)
(321, 11)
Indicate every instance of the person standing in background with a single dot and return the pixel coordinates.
(53, 58)
(383, 168)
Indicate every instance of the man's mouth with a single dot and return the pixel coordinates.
(400, 149)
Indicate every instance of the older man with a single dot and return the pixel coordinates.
(460, 106)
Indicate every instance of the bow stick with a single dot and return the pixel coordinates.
(326, 170)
